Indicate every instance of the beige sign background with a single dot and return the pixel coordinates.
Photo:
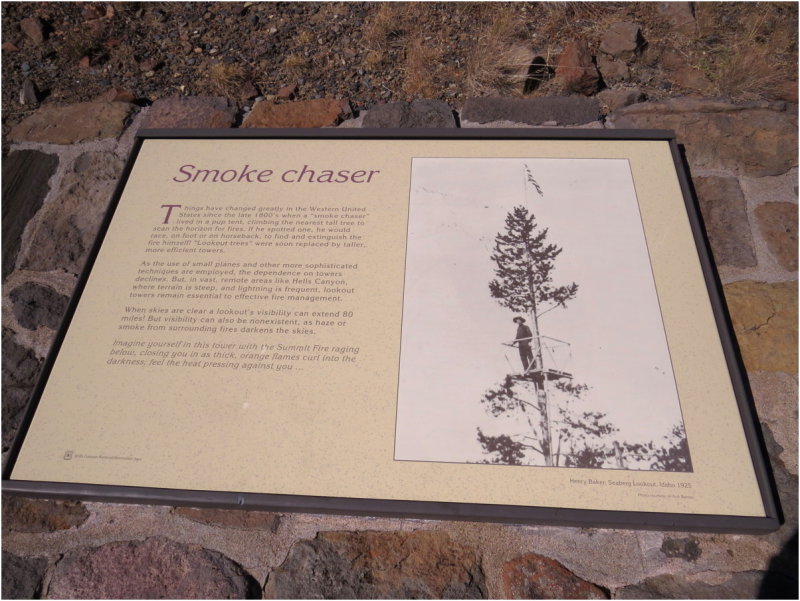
(228, 376)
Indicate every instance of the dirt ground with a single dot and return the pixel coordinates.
(65, 52)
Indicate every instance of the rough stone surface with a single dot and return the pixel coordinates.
(156, 568)
(724, 212)
(756, 139)
(533, 576)
(622, 40)
(775, 396)
(764, 320)
(613, 70)
(25, 184)
(41, 515)
(563, 110)
(322, 112)
(743, 585)
(20, 369)
(33, 28)
(232, 518)
(575, 70)
(36, 305)
(778, 224)
(378, 565)
(22, 576)
(616, 99)
(680, 15)
(680, 72)
(74, 123)
(64, 230)
(416, 114)
(687, 549)
(187, 112)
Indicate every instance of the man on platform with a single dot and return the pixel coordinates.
(523, 341)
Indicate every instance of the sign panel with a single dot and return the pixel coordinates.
(513, 326)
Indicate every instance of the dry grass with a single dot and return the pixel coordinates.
(295, 63)
(748, 53)
(227, 78)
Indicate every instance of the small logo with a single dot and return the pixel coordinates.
(68, 455)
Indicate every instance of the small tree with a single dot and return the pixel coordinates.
(579, 436)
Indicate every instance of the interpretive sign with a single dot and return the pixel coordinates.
(517, 325)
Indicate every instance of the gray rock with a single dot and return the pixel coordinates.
(22, 576)
(778, 224)
(20, 369)
(156, 568)
(35, 305)
(755, 139)
(190, 112)
(378, 565)
(724, 212)
(64, 231)
(622, 40)
(417, 114)
(741, 585)
(616, 99)
(25, 185)
(563, 110)
(28, 94)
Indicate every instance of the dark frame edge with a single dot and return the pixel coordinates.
(736, 369)
(388, 508)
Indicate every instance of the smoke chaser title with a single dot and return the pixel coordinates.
(189, 174)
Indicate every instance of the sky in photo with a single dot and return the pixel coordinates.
(453, 330)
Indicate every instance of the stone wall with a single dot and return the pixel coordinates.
(57, 180)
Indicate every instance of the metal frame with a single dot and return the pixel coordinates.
(429, 509)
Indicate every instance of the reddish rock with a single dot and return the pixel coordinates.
(156, 568)
(764, 320)
(754, 139)
(378, 565)
(322, 112)
(247, 91)
(613, 70)
(622, 40)
(190, 112)
(9, 47)
(115, 95)
(678, 71)
(33, 28)
(533, 576)
(232, 518)
(575, 70)
(680, 15)
(41, 515)
(73, 123)
(287, 92)
(64, 230)
(84, 63)
(724, 212)
(778, 224)
(616, 99)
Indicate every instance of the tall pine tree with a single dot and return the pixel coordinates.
(524, 284)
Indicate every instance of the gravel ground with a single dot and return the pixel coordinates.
(66, 52)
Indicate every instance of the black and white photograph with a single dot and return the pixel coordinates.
(532, 332)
